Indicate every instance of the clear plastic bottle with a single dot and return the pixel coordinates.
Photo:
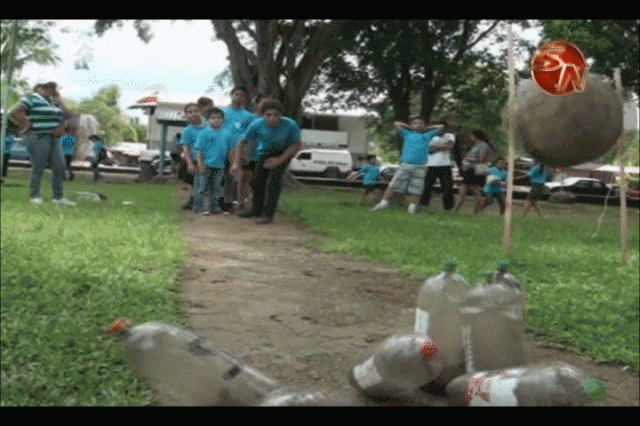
(503, 276)
(173, 356)
(398, 366)
(537, 385)
(438, 315)
(493, 323)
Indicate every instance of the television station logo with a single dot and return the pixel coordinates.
(559, 68)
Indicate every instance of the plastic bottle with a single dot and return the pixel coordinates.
(503, 276)
(175, 357)
(493, 324)
(438, 315)
(399, 366)
(537, 385)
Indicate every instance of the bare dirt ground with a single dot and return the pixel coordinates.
(304, 317)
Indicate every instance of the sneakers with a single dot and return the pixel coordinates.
(248, 213)
(263, 220)
(383, 204)
(36, 200)
(412, 208)
(63, 202)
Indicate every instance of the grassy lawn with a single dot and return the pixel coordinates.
(577, 290)
(68, 272)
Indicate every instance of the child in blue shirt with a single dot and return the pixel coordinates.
(187, 141)
(409, 178)
(99, 154)
(537, 176)
(236, 122)
(369, 173)
(213, 148)
(68, 142)
(493, 186)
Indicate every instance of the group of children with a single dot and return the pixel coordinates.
(228, 149)
(410, 179)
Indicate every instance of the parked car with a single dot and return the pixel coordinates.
(330, 163)
(583, 188)
(18, 151)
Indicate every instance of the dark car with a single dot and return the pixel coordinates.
(584, 188)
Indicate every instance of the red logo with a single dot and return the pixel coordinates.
(559, 68)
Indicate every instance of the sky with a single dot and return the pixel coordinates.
(181, 55)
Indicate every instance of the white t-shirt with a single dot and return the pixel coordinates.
(441, 158)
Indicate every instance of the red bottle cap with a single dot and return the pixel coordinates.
(118, 326)
(429, 348)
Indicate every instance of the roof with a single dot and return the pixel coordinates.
(178, 98)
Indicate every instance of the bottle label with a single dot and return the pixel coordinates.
(493, 389)
(421, 325)
(366, 374)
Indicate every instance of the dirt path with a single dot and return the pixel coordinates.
(304, 317)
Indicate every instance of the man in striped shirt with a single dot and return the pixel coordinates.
(40, 117)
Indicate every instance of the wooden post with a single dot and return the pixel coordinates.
(506, 236)
(623, 181)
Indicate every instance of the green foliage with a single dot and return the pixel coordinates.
(577, 290)
(66, 274)
(32, 44)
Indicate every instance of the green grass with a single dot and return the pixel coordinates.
(66, 274)
(577, 290)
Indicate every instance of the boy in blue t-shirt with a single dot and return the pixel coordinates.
(213, 148)
(493, 186)
(99, 154)
(409, 178)
(68, 142)
(236, 121)
(187, 141)
(274, 140)
(537, 176)
(369, 173)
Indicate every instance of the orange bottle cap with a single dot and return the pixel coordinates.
(118, 326)
(429, 348)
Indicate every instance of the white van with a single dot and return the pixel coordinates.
(329, 163)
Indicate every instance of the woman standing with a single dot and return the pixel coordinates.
(40, 117)
(473, 177)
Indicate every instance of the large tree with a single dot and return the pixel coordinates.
(32, 44)
(276, 58)
(406, 59)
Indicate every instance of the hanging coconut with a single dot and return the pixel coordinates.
(562, 131)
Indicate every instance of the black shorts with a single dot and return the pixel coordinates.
(535, 193)
(251, 165)
(369, 188)
(469, 178)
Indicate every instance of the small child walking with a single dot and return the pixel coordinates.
(369, 173)
(537, 176)
(493, 187)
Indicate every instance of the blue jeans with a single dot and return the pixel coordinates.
(40, 147)
(210, 181)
